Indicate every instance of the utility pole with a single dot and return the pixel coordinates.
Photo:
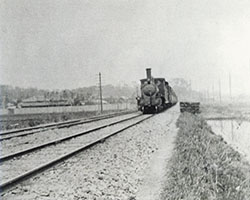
(230, 87)
(100, 87)
(190, 90)
(208, 97)
(220, 90)
(137, 91)
(213, 91)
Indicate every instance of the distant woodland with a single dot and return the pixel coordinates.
(111, 94)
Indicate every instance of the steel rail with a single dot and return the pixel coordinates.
(35, 127)
(57, 141)
(64, 125)
(41, 168)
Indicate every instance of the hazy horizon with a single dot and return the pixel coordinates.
(65, 44)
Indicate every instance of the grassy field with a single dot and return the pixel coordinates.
(203, 166)
(233, 110)
(29, 120)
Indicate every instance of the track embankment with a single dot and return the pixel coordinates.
(112, 169)
(203, 166)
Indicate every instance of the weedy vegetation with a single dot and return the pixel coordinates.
(204, 166)
(29, 120)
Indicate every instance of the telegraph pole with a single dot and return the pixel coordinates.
(100, 87)
(208, 96)
(137, 91)
(220, 90)
(213, 92)
(230, 87)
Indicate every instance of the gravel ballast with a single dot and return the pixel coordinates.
(114, 169)
(14, 167)
(20, 143)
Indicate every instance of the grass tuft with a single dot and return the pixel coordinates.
(203, 166)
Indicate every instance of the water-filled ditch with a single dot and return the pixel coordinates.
(235, 132)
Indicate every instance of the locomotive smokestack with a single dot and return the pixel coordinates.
(148, 70)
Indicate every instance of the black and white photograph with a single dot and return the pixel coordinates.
(124, 100)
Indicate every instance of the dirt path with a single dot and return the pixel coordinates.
(154, 177)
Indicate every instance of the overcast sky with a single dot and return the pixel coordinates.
(64, 44)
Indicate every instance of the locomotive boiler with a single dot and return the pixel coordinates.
(156, 94)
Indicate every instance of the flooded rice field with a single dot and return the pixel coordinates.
(235, 132)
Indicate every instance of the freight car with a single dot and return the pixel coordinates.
(156, 94)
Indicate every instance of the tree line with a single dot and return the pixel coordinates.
(111, 93)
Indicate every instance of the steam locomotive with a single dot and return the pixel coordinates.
(156, 94)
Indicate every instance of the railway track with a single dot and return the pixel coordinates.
(22, 165)
(17, 144)
(6, 135)
(62, 139)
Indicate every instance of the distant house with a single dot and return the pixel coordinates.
(95, 102)
(40, 101)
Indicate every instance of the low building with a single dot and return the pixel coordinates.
(40, 101)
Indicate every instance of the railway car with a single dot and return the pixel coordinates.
(156, 94)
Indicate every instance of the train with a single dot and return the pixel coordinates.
(156, 94)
